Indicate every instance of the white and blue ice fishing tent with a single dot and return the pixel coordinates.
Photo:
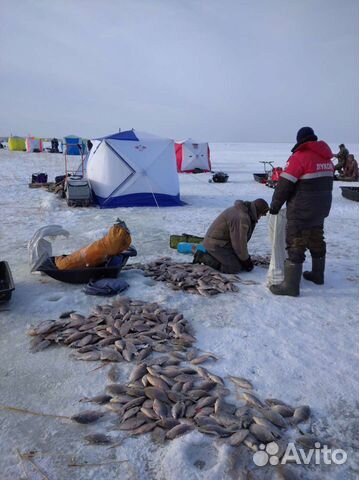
(132, 169)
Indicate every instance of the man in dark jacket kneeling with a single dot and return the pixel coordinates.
(227, 238)
(306, 186)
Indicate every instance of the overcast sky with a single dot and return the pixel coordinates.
(216, 70)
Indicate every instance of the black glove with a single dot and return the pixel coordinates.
(273, 211)
(247, 264)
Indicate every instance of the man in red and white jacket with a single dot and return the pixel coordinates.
(306, 186)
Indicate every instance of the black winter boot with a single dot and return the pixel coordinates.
(317, 273)
(206, 259)
(291, 282)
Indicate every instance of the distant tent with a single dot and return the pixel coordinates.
(17, 144)
(33, 144)
(131, 168)
(192, 156)
(72, 145)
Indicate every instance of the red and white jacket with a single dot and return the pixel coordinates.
(306, 185)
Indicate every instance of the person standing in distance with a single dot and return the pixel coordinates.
(306, 187)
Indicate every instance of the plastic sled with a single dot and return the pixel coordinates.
(6, 282)
(260, 177)
(351, 193)
(185, 237)
(110, 269)
(220, 177)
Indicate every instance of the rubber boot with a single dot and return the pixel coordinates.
(317, 273)
(206, 259)
(291, 282)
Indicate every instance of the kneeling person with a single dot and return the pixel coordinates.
(226, 240)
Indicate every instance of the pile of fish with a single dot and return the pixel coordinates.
(170, 396)
(125, 330)
(168, 393)
(191, 278)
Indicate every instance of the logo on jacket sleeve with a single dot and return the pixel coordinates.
(140, 148)
(323, 167)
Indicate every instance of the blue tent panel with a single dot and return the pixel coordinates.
(140, 200)
(128, 135)
(72, 145)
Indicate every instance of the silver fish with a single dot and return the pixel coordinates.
(158, 435)
(252, 400)
(66, 314)
(130, 413)
(275, 401)
(168, 423)
(160, 408)
(89, 356)
(226, 420)
(196, 394)
(178, 410)
(75, 336)
(77, 316)
(138, 372)
(206, 402)
(145, 428)
(149, 412)
(203, 358)
(241, 382)
(251, 442)
(154, 392)
(283, 410)
(132, 423)
(178, 430)
(215, 430)
(262, 433)
(115, 389)
(268, 425)
(301, 414)
(98, 439)
(157, 382)
(274, 417)
(133, 403)
(87, 416)
(110, 355)
(215, 378)
(99, 399)
(238, 437)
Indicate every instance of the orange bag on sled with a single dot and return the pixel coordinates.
(116, 241)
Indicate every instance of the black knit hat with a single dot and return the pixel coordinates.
(262, 206)
(306, 134)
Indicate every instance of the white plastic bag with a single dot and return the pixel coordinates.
(40, 249)
(277, 227)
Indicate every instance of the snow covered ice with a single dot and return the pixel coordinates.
(301, 350)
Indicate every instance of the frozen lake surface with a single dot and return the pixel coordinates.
(301, 350)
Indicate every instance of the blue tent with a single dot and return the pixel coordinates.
(73, 145)
(129, 169)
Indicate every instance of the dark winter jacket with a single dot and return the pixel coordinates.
(351, 170)
(342, 156)
(232, 228)
(306, 185)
